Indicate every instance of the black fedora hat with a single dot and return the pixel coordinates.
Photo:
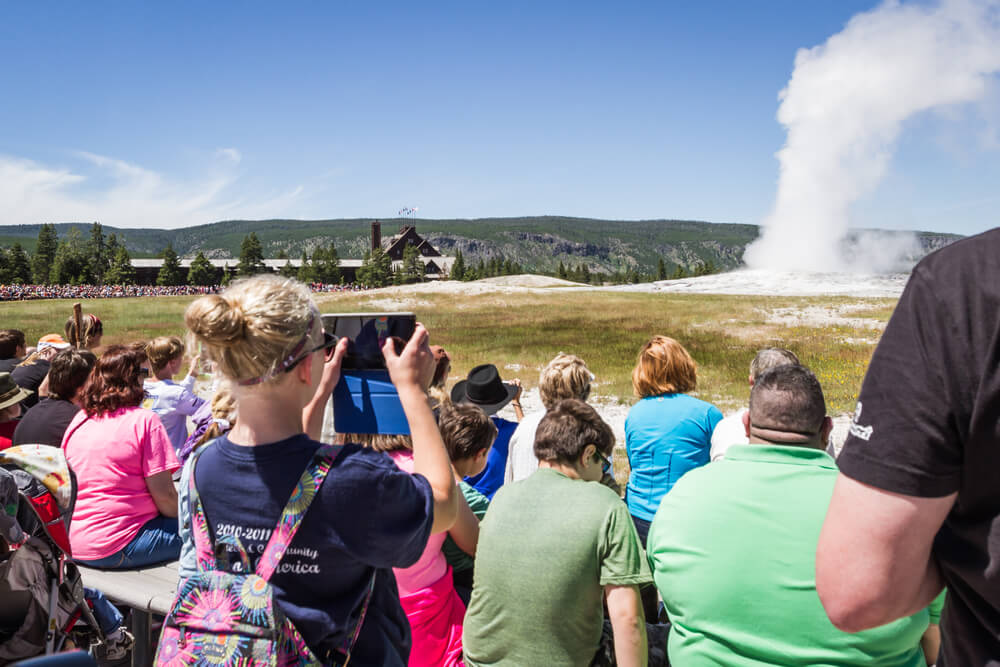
(483, 387)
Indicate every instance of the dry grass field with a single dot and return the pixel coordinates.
(520, 330)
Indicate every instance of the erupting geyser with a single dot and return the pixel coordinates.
(844, 107)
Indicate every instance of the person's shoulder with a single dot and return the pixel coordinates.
(974, 256)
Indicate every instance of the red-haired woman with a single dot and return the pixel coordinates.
(126, 507)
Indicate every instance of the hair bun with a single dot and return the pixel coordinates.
(216, 320)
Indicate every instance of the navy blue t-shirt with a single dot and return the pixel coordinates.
(369, 514)
(489, 481)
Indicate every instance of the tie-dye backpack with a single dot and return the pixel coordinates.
(224, 619)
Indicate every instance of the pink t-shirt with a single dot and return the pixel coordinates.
(112, 456)
(432, 565)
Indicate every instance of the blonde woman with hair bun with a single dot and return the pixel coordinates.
(266, 339)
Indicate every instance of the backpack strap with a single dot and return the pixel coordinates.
(345, 649)
(295, 510)
(204, 551)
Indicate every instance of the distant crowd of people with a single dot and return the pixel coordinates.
(464, 538)
(31, 292)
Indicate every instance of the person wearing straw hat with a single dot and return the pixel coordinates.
(484, 388)
(11, 395)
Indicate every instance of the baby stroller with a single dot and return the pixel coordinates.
(43, 608)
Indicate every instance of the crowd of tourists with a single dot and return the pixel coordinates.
(467, 538)
(32, 292)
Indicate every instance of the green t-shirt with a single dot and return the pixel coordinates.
(547, 547)
(733, 553)
(478, 503)
(936, 607)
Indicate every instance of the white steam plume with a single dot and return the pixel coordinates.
(844, 107)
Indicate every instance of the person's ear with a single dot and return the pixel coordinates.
(303, 370)
(826, 429)
(746, 423)
(750, 380)
(588, 455)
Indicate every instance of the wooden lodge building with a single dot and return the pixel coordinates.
(436, 265)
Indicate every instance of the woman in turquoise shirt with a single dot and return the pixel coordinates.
(667, 432)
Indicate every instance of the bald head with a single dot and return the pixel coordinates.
(787, 407)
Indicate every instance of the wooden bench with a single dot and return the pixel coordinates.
(146, 590)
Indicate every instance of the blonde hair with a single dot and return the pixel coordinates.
(664, 367)
(162, 350)
(566, 376)
(250, 329)
(380, 442)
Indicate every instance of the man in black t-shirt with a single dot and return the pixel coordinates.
(46, 422)
(917, 503)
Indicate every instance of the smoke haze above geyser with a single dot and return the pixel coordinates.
(844, 108)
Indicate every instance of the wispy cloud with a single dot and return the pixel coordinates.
(122, 194)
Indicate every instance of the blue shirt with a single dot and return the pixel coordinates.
(665, 436)
(491, 478)
(369, 514)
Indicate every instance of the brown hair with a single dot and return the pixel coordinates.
(466, 430)
(114, 383)
(10, 340)
(162, 350)
(250, 328)
(91, 325)
(664, 367)
(69, 371)
(566, 376)
(566, 430)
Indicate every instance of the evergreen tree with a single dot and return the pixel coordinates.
(20, 266)
(45, 254)
(4, 266)
(201, 271)
(458, 268)
(251, 256)
(561, 271)
(584, 274)
(376, 269)
(171, 272)
(326, 264)
(306, 272)
(120, 272)
(288, 270)
(412, 270)
(70, 266)
(226, 275)
(98, 259)
(678, 273)
(282, 254)
(661, 270)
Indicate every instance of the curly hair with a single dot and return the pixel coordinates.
(115, 382)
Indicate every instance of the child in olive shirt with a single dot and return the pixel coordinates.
(551, 548)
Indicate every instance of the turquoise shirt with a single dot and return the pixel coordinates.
(665, 436)
(733, 553)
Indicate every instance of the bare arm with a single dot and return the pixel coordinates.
(873, 562)
(516, 403)
(411, 372)
(930, 642)
(628, 625)
(465, 532)
(161, 487)
(312, 414)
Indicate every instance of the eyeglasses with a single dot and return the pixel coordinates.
(143, 372)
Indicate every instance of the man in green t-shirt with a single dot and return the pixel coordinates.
(733, 545)
(551, 547)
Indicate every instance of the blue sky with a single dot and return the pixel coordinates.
(175, 114)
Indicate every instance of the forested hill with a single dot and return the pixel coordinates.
(537, 243)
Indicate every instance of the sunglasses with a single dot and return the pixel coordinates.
(143, 372)
(329, 342)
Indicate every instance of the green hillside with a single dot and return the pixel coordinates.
(537, 243)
